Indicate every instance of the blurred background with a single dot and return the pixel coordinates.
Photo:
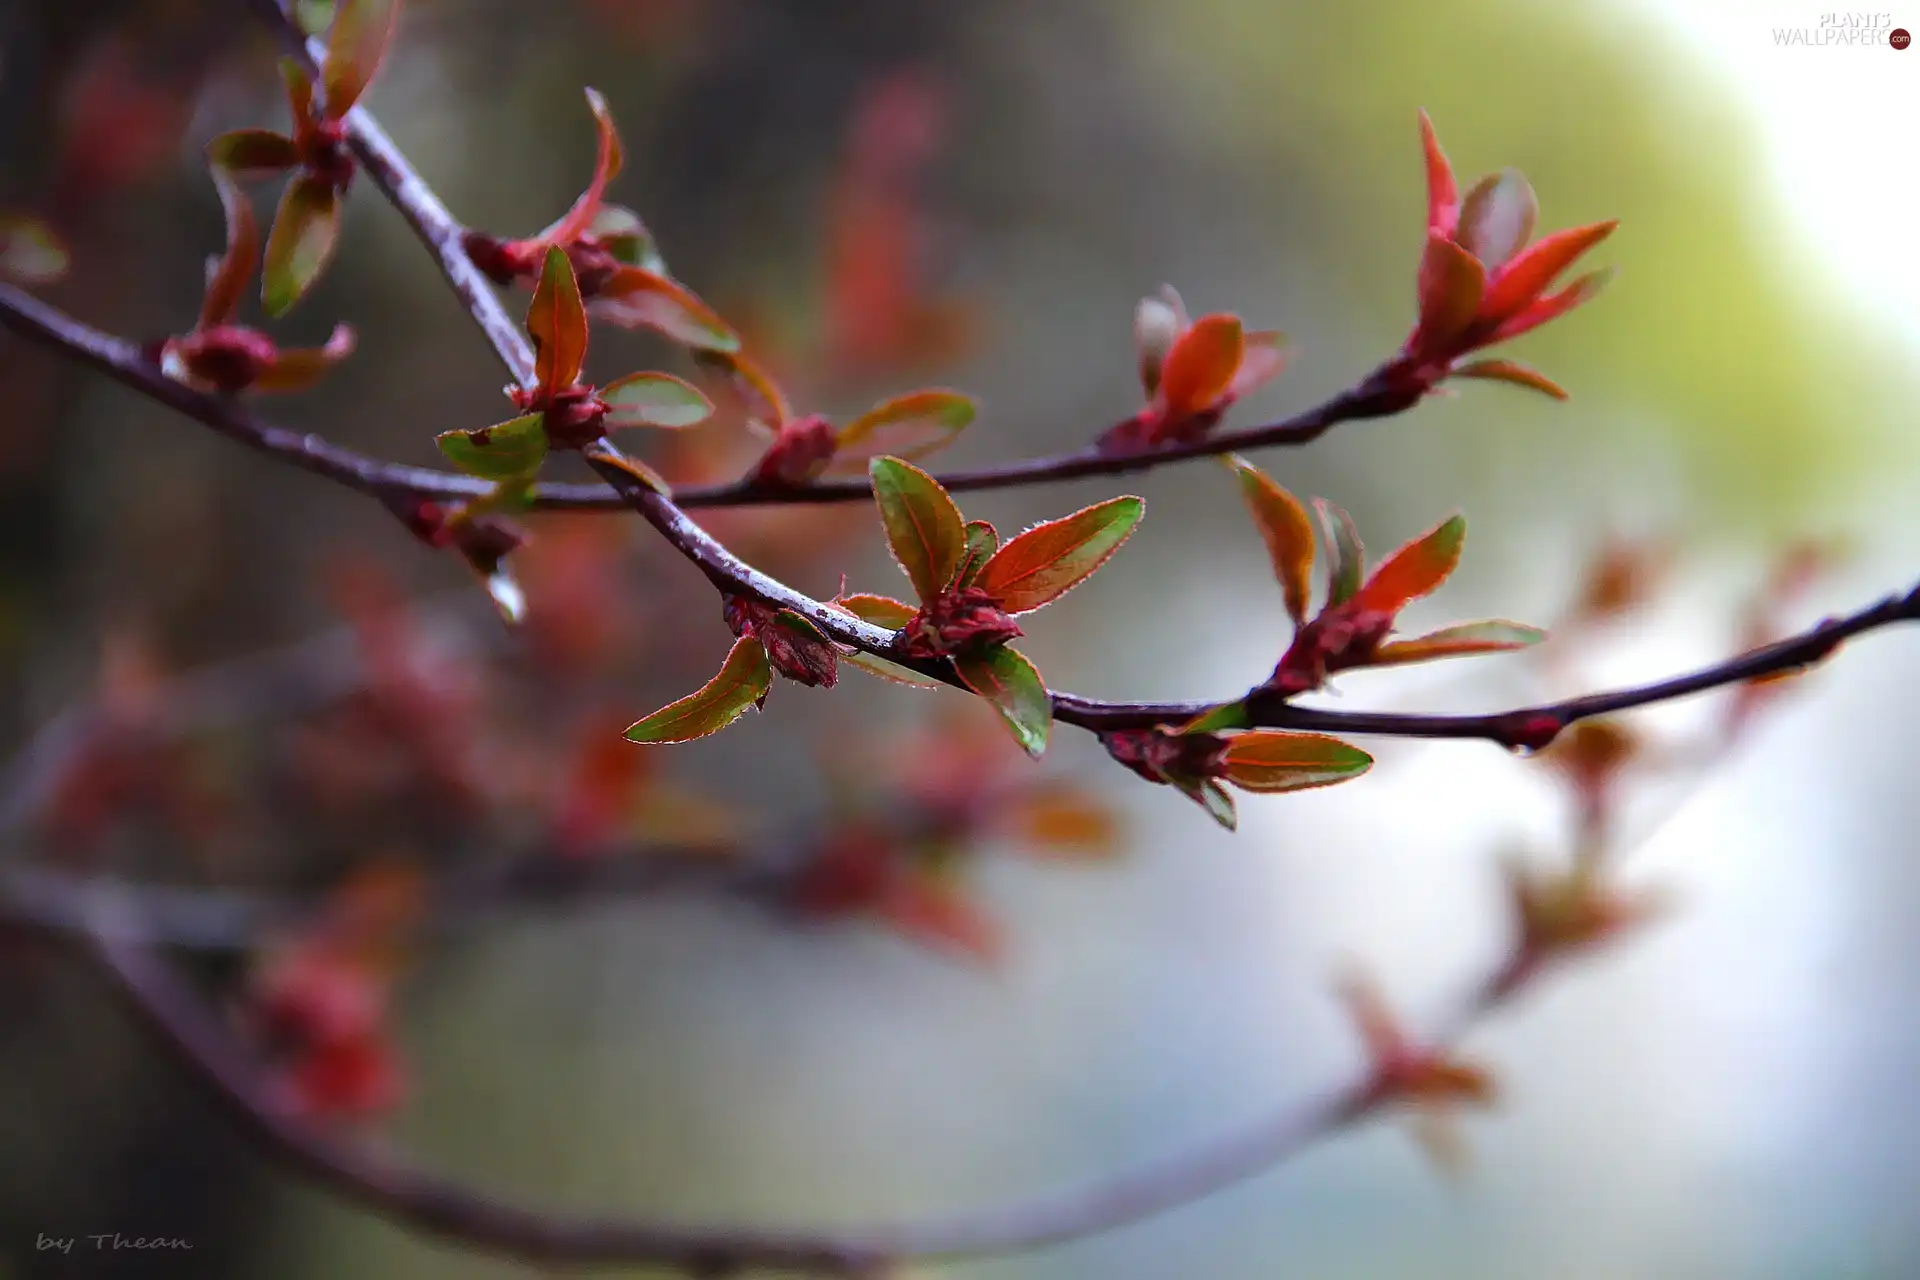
(295, 697)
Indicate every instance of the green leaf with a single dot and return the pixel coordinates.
(909, 426)
(1045, 562)
(1209, 795)
(639, 299)
(505, 451)
(982, 541)
(924, 529)
(1493, 636)
(1265, 761)
(306, 230)
(557, 320)
(313, 16)
(252, 154)
(741, 686)
(621, 233)
(1286, 529)
(1347, 559)
(654, 400)
(1228, 715)
(355, 47)
(1005, 678)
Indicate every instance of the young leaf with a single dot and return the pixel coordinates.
(1158, 322)
(1528, 275)
(1228, 715)
(1416, 569)
(558, 322)
(881, 611)
(357, 43)
(299, 96)
(909, 426)
(229, 274)
(637, 469)
(924, 529)
(1346, 558)
(306, 229)
(1263, 360)
(1058, 820)
(742, 685)
(622, 234)
(1210, 796)
(890, 671)
(982, 541)
(1286, 530)
(607, 162)
(1047, 561)
(1512, 371)
(654, 400)
(252, 154)
(1201, 365)
(298, 368)
(1450, 642)
(637, 299)
(1006, 679)
(1537, 313)
(1497, 217)
(1443, 198)
(1264, 761)
(505, 451)
(1452, 282)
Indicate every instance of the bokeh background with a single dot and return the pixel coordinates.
(1729, 1093)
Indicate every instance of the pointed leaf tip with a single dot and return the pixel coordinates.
(1287, 531)
(1045, 562)
(742, 685)
(1012, 684)
(924, 528)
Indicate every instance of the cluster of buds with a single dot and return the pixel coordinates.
(1192, 371)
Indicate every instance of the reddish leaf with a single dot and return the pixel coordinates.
(1201, 365)
(1286, 530)
(639, 470)
(637, 299)
(741, 686)
(607, 162)
(306, 230)
(654, 400)
(1529, 274)
(299, 96)
(355, 46)
(1514, 372)
(1263, 360)
(505, 451)
(1415, 569)
(1443, 194)
(1497, 218)
(227, 275)
(924, 529)
(934, 911)
(1005, 678)
(909, 426)
(1045, 562)
(1493, 636)
(1265, 761)
(252, 154)
(558, 322)
(1552, 306)
(1451, 284)
(298, 368)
